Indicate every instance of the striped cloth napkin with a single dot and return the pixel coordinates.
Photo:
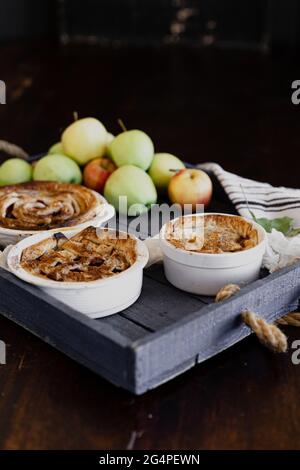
(266, 201)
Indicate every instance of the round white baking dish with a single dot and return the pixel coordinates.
(10, 236)
(207, 273)
(96, 298)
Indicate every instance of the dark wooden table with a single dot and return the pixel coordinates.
(230, 107)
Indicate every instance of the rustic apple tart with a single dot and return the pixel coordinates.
(89, 255)
(213, 233)
(40, 205)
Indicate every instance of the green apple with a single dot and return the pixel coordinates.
(135, 184)
(57, 168)
(14, 171)
(132, 148)
(110, 138)
(56, 149)
(162, 169)
(84, 140)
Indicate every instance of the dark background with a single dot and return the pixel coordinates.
(224, 23)
(209, 81)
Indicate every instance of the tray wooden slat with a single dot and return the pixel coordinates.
(166, 332)
(200, 335)
(161, 305)
(96, 345)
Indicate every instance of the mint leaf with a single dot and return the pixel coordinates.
(265, 223)
(282, 224)
(293, 232)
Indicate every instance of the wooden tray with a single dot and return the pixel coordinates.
(166, 332)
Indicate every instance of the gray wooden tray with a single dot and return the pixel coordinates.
(166, 332)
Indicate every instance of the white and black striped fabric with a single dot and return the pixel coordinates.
(263, 199)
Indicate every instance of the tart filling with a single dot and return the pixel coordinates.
(89, 255)
(212, 233)
(41, 205)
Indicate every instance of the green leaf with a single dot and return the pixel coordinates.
(293, 232)
(265, 223)
(282, 224)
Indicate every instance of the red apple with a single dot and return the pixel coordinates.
(96, 172)
(190, 186)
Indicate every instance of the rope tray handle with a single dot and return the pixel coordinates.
(13, 150)
(268, 334)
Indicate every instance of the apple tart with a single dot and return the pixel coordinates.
(87, 256)
(41, 205)
(213, 233)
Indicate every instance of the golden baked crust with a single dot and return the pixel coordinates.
(91, 254)
(212, 234)
(42, 205)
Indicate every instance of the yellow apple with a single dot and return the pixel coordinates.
(134, 183)
(162, 169)
(132, 147)
(56, 149)
(84, 140)
(57, 168)
(110, 138)
(190, 186)
(14, 171)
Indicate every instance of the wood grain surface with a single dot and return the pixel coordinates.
(230, 107)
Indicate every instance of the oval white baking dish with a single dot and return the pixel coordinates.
(97, 298)
(207, 273)
(10, 236)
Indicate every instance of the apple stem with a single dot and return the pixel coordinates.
(75, 115)
(122, 125)
(174, 171)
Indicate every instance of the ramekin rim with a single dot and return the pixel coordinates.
(214, 255)
(16, 250)
(16, 233)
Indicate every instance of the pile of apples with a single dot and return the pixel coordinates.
(125, 165)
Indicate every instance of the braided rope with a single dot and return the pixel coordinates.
(226, 292)
(292, 319)
(269, 335)
(13, 150)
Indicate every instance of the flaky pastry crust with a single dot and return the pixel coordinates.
(41, 205)
(212, 233)
(91, 254)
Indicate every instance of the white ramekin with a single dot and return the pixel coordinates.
(10, 236)
(97, 298)
(207, 273)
